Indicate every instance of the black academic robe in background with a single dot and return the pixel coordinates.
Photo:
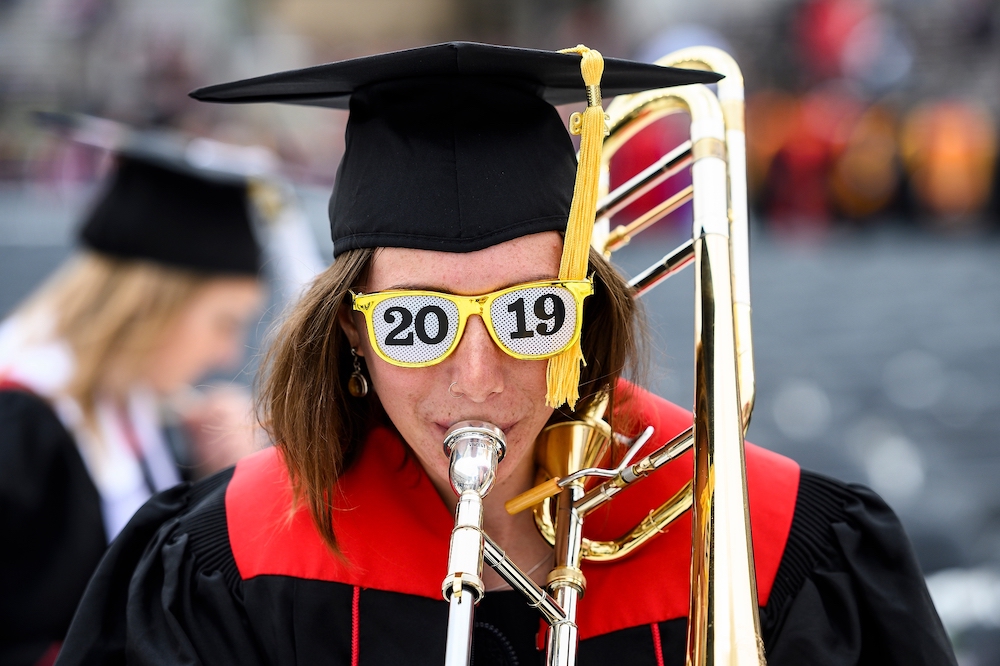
(221, 572)
(51, 525)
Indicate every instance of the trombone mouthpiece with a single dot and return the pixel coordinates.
(475, 449)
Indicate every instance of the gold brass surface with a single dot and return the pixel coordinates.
(599, 550)
(723, 620)
(723, 626)
(654, 523)
(732, 111)
(593, 95)
(565, 575)
(708, 147)
(731, 101)
(622, 234)
(567, 447)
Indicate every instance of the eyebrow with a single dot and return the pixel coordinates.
(415, 286)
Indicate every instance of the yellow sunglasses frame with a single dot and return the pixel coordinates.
(468, 306)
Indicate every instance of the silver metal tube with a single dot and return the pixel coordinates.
(514, 577)
(458, 650)
(464, 587)
(671, 450)
(564, 636)
(566, 581)
(465, 555)
(671, 263)
(475, 449)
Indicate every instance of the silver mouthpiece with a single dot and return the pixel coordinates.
(475, 449)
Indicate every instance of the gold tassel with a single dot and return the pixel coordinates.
(563, 373)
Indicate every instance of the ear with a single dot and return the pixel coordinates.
(346, 320)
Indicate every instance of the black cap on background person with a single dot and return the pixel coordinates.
(158, 206)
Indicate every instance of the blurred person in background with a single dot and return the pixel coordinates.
(159, 294)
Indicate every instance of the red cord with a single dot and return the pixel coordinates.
(12, 385)
(49, 658)
(657, 647)
(355, 633)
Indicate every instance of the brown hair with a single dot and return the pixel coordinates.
(319, 427)
(112, 313)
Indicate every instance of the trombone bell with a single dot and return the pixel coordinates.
(564, 448)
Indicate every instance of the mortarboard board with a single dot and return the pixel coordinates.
(451, 147)
(160, 206)
(458, 146)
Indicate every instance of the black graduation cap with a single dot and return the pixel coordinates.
(160, 206)
(451, 147)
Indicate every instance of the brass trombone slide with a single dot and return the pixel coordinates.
(723, 625)
(723, 621)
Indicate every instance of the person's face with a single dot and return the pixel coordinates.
(492, 385)
(208, 334)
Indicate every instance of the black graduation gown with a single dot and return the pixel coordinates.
(184, 585)
(848, 591)
(52, 527)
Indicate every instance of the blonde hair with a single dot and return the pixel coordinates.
(112, 313)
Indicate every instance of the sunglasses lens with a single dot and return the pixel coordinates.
(415, 329)
(535, 321)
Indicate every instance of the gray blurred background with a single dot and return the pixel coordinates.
(872, 132)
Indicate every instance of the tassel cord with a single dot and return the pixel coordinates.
(563, 372)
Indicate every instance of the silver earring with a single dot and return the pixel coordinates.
(357, 385)
(451, 390)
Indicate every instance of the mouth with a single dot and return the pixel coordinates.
(442, 426)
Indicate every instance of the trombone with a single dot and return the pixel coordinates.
(723, 623)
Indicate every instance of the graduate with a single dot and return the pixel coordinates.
(447, 302)
(159, 292)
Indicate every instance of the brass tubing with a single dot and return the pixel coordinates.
(667, 166)
(654, 523)
(671, 449)
(597, 496)
(677, 260)
(731, 102)
(594, 550)
(622, 234)
(723, 623)
(723, 626)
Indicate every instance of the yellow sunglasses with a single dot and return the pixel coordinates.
(416, 329)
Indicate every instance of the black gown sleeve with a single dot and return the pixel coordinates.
(849, 590)
(51, 528)
(168, 591)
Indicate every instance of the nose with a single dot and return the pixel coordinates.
(477, 363)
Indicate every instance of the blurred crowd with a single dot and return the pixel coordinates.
(859, 111)
(864, 133)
